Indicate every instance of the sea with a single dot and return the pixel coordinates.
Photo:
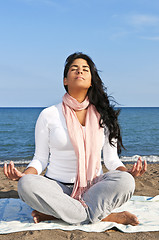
(139, 128)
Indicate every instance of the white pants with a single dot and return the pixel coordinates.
(53, 198)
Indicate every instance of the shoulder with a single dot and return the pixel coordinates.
(51, 112)
(54, 109)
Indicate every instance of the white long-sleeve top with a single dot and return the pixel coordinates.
(54, 150)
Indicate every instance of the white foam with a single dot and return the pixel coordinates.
(125, 159)
(150, 159)
(16, 162)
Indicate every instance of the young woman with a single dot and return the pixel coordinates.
(69, 138)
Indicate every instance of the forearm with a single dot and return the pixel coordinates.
(121, 168)
(137, 170)
(30, 170)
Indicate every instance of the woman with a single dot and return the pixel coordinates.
(69, 138)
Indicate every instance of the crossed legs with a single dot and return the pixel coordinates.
(51, 199)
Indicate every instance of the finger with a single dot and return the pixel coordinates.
(145, 165)
(133, 168)
(9, 170)
(142, 171)
(137, 167)
(18, 174)
(144, 168)
(12, 168)
(5, 170)
(139, 164)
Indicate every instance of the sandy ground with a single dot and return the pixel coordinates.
(147, 185)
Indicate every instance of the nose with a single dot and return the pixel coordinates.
(79, 70)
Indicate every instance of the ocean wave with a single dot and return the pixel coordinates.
(16, 162)
(124, 159)
(149, 159)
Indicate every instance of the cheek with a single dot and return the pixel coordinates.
(90, 79)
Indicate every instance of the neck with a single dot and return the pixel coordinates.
(79, 96)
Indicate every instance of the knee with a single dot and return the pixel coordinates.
(25, 184)
(127, 182)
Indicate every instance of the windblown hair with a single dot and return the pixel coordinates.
(97, 95)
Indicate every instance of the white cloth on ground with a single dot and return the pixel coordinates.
(15, 216)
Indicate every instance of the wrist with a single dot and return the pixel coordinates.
(122, 168)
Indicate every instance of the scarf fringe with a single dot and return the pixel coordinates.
(81, 191)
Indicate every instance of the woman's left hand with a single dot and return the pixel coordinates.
(138, 168)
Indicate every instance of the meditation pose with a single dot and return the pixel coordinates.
(69, 138)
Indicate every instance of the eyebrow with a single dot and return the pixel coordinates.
(85, 66)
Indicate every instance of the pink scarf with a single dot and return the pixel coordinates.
(87, 143)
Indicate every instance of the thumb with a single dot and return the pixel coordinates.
(18, 173)
(133, 168)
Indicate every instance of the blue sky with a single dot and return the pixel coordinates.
(36, 36)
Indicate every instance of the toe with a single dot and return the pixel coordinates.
(36, 219)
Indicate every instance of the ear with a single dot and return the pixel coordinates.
(65, 81)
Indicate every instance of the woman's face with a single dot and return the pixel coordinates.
(78, 76)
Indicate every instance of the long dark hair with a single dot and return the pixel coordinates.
(97, 95)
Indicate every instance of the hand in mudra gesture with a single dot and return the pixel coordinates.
(11, 172)
(138, 168)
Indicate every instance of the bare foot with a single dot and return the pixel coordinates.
(39, 217)
(122, 218)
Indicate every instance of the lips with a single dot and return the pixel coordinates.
(80, 78)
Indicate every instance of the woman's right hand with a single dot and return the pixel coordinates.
(11, 172)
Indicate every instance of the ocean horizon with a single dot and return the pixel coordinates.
(139, 128)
